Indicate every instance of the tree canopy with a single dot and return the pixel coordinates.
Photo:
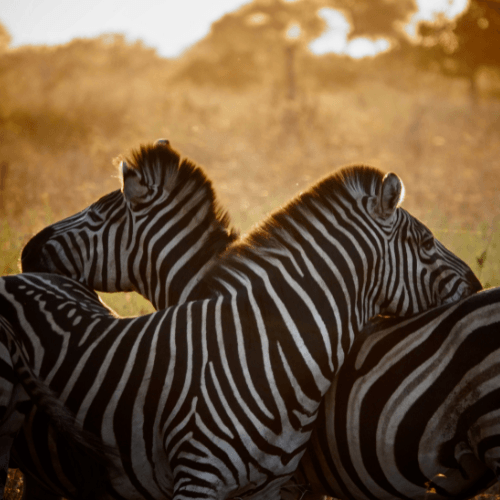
(246, 45)
(462, 46)
(5, 38)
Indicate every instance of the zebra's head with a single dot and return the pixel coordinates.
(154, 236)
(418, 272)
(349, 228)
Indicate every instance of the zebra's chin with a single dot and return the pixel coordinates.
(462, 292)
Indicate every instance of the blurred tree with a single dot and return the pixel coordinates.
(266, 38)
(374, 18)
(246, 46)
(73, 106)
(462, 46)
(5, 38)
(70, 92)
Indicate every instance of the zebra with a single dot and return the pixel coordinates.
(157, 242)
(166, 211)
(464, 475)
(414, 410)
(345, 242)
(439, 458)
(20, 388)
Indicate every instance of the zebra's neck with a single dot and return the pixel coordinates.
(193, 254)
(318, 299)
(321, 253)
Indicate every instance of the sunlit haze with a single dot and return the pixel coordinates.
(170, 26)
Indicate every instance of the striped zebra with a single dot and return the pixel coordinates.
(158, 242)
(345, 243)
(451, 354)
(415, 409)
(20, 389)
(165, 212)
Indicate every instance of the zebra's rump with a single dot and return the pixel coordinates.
(415, 408)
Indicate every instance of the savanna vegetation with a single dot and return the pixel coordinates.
(264, 117)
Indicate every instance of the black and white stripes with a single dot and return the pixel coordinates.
(165, 213)
(415, 409)
(197, 419)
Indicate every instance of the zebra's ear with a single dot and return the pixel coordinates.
(133, 189)
(391, 194)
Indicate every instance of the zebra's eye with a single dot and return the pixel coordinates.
(428, 244)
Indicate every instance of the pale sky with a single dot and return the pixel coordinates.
(170, 26)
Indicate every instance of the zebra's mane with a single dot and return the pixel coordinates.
(352, 182)
(268, 237)
(160, 165)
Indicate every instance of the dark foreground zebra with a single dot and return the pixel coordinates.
(415, 409)
(20, 389)
(190, 426)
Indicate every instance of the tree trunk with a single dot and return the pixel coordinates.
(473, 90)
(4, 166)
(290, 72)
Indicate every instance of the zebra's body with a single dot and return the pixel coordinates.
(346, 244)
(384, 453)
